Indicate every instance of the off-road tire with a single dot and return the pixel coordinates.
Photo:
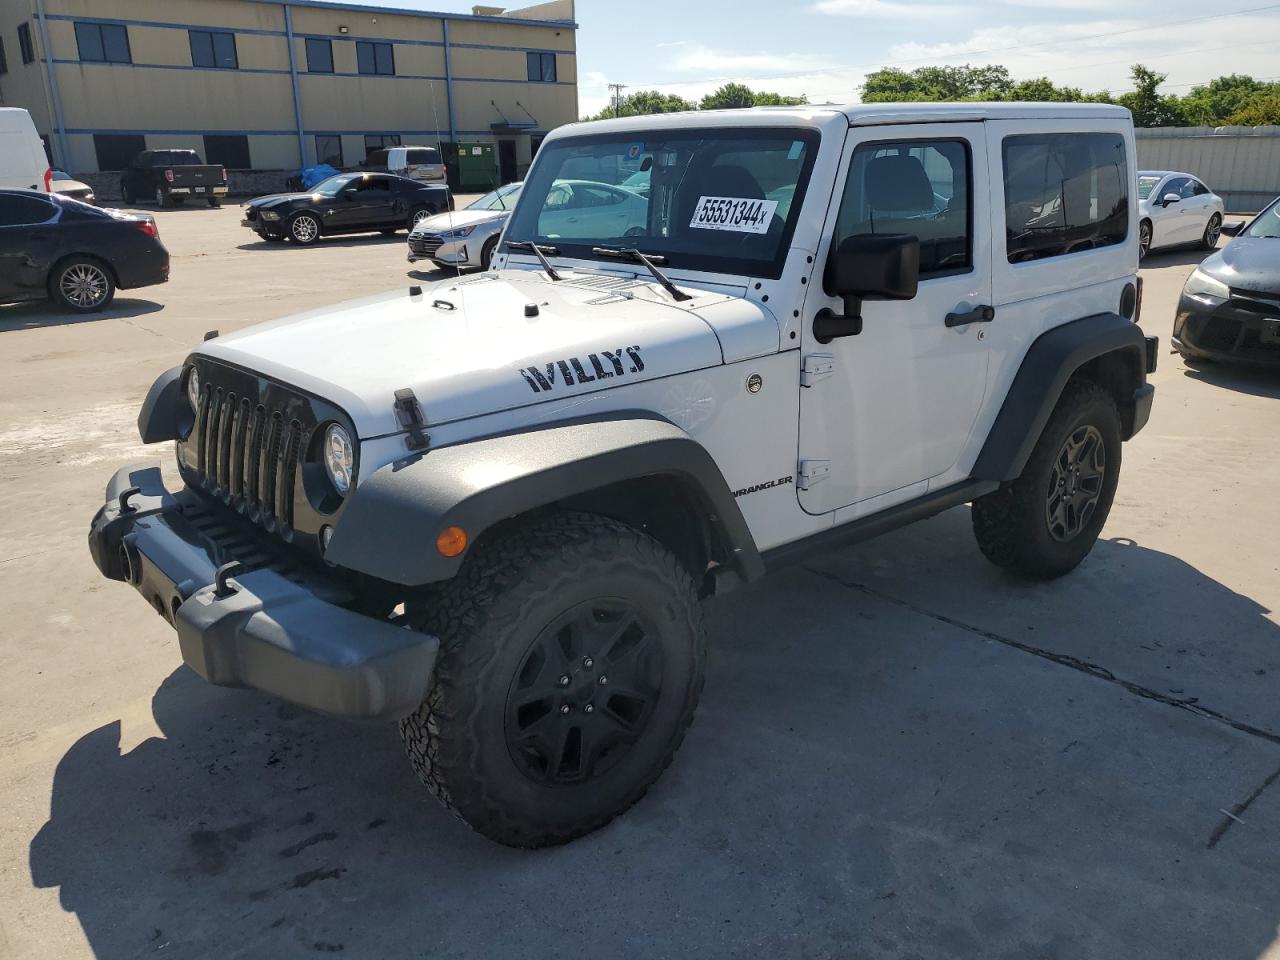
(490, 616)
(1010, 524)
(486, 253)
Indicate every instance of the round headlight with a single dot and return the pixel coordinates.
(193, 390)
(339, 457)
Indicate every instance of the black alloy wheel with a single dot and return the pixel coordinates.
(584, 692)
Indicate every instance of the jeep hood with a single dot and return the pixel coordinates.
(469, 347)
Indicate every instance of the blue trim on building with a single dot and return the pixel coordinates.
(293, 80)
(429, 14)
(174, 66)
(448, 85)
(306, 73)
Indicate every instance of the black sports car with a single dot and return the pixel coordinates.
(1230, 305)
(346, 203)
(77, 255)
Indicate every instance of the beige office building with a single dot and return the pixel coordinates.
(273, 85)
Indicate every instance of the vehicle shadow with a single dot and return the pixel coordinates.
(1255, 381)
(1181, 256)
(433, 274)
(860, 774)
(353, 240)
(45, 313)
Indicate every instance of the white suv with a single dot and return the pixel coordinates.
(490, 508)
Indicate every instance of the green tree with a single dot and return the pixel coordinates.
(728, 97)
(1262, 109)
(990, 82)
(765, 98)
(645, 102)
(1149, 109)
(1211, 104)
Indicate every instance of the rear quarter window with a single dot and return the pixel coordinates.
(1064, 193)
(423, 156)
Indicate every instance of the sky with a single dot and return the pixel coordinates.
(824, 48)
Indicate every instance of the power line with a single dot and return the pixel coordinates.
(617, 89)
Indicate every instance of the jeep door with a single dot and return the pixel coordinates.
(901, 397)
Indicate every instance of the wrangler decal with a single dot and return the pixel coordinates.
(588, 369)
(757, 487)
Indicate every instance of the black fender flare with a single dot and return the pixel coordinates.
(1052, 359)
(165, 413)
(389, 527)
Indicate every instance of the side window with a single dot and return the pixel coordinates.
(597, 197)
(423, 156)
(231, 150)
(103, 42)
(377, 185)
(1194, 188)
(25, 46)
(1175, 185)
(919, 187)
(319, 55)
(329, 149)
(213, 49)
(1063, 193)
(17, 211)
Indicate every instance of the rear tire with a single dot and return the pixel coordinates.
(1144, 239)
(83, 284)
(1045, 522)
(127, 195)
(1212, 230)
(162, 198)
(571, 658)
(215, 202)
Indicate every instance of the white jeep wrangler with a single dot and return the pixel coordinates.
(490, 508)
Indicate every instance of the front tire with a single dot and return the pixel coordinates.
(571, 659)
(1212, 230)
(486, 254)
(82, 284)
(304, 229)
(1045, 522)
(417, 216)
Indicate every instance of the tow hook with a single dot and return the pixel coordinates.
(124, 499)
(221, 587)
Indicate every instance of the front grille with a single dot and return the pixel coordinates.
(425, 245)
(1220, 333)
(247, 456)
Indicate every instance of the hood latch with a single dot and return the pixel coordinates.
(411, 418)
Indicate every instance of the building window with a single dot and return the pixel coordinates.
(230, 150)
(319, 56)
(1063, 193)
(103, 42)
(375, 58)
(912, 186)
(24, 43)
(379, 141)
(216, 50)
(542, 67)
(329, 149)
(116, 150)
(4, 61)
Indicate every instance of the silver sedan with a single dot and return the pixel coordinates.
(467, 237)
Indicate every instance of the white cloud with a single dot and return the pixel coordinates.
(887, 9)
(694, 57)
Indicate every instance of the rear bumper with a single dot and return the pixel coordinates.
(269, 630)
(143, 269)
(214, 191)
(1235, 330)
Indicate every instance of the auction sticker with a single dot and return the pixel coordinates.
(732, 213)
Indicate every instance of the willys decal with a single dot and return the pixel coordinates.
(604, 365)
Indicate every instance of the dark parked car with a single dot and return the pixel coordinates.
(1230, 305)
(78, 255)
(346, 203)
(169, 177)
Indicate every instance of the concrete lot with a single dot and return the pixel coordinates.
(900, 753)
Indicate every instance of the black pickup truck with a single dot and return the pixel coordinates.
(169, 177)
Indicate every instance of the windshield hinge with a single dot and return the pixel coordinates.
(816, 366)
(411, 418)
(812, 472)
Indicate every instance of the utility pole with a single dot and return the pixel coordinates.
(617, 89)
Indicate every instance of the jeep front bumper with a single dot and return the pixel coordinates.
(281, 634)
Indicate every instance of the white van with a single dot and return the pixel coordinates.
(23, 164)
(416, 163)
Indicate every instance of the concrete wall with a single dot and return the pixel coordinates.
(164, 97)
(1240, 164)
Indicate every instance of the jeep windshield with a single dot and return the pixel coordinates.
(717, 201)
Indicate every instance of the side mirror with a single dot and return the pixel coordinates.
(1233, 228)
(867, 265)
(1169, 198)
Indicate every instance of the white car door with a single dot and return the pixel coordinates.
(1167, 224)
(1198, 206)
(897, 401)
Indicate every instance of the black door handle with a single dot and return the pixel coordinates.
(983, 314)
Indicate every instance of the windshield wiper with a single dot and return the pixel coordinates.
(649, 260)
(537, 252)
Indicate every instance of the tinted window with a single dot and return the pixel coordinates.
(375, 58)
(17, 210)
(4, 61)
(542, 67)
(1064, 192)
(103, 42)
(329, 149)
(424, 155)
(1198, 189)
(213, 49)
(25, 46)
(115, 151)
(319, 55)
(174, 158)
(376, 185)
(231, 150)
(918, 187)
